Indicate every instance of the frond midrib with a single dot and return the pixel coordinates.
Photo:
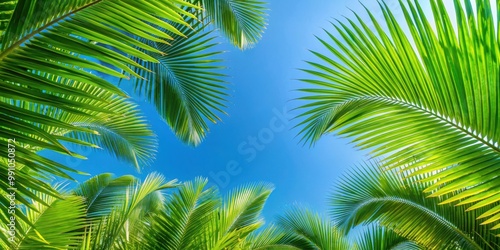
(17, 44)
(420, 207)
(442, 118)
(30, 228)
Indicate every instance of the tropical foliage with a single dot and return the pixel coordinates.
(424, 101)
(52, 58)
(367, 195)
(125, 213)
(422, 96)
(300, 228)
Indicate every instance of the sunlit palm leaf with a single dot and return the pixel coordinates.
(307, 230)
(270, 238)
(125, 134)
(185, 219)
(116, 228)
(103, 193)
(55, 225)
(427, 100)
(379, 238)
(368, 194)
(241, 21)
(185, 85)
(238, 216)
(46, 46)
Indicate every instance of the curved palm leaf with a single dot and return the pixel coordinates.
(428, 106)
(125, 134)
(270, 238)
(376, 237)
(45, 58)
(237, 217)
(34, 55)
(185, 219)
(241, 21)
(103, 193)
(124, 223)
(193, 217)
(366, 195)
(307, 230)
(185, 85)
(48, 225)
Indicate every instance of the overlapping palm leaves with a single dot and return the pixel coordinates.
(124, 213)
(241, 21)
(375, 237)
(304, 229)
(185, 85)
(426, 101)
(369, 195)
(49, 92)
(197, 218)
(301, 228)
(46, 55)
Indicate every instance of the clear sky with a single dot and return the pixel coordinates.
(256, 142)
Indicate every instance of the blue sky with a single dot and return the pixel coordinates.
(256, 142)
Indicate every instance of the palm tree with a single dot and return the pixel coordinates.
(125, 213)
(51, 94)
(426, 102)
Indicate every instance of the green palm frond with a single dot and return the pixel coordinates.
(368, 194)
(48, 51)
(55, 223)
(119, 128)
(119, 227)
(103, 193)
(125, 134)
(307, 230)
(376, 237)
(243, 205)
(237, 217)
(185, 85)
(241, 21)
(186, 217)
(6, 9)
(270, 238)
(425, 101)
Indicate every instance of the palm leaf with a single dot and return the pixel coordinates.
(116, 228)
(47, 56)
(103, 193)
(270, 238)
(241, 21)
(375, 237)
(126, 134)
(49, 225)
(307, 230)
(237, 217)
(426, 101)
(185, 85)
(367, 194)
(186, 217)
